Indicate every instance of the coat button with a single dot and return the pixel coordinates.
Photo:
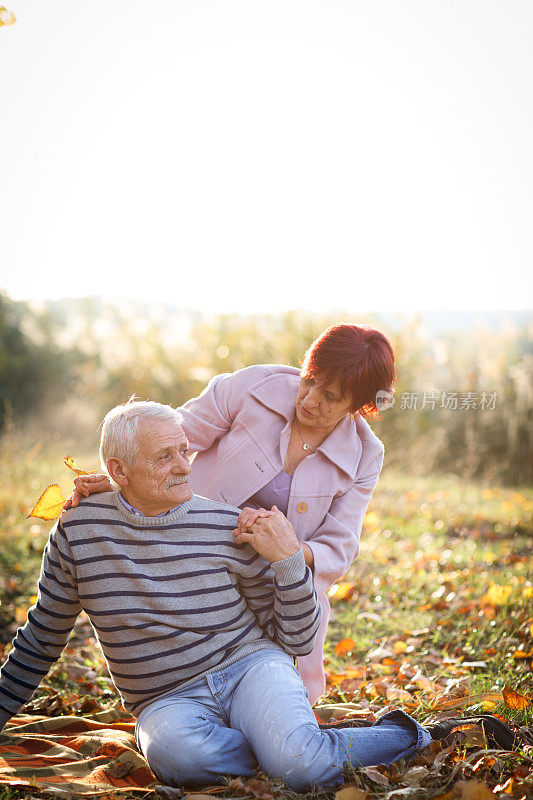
(301, 508)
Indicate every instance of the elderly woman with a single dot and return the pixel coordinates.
(295, 441)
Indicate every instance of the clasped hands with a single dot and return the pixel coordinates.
(269, 532)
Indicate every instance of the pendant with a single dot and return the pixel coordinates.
(306, 446)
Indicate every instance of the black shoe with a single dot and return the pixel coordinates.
(345, 723)
(499, 735)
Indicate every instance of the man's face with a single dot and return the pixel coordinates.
(157, 481)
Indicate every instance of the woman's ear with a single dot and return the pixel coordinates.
(117, 471)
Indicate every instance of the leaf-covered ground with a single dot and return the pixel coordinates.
(436, 617)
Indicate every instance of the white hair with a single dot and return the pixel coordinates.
(120, 426)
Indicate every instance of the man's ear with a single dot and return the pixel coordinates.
(117, 471)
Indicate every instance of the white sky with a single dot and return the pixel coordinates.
(269, 155)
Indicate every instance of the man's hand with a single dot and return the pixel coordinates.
(86, 485)
(273, 537)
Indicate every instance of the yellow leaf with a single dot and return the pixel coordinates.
(514, 700)
(487, 707)
(71, 464)
(371, 520)
(400, 647)
(528, 592)
(21, 615)
(341, 591)
(50, 503)
(523, 653)
(344, 646)
(6, 17)
(497, 595)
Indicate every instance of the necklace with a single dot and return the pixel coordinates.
(305, 445)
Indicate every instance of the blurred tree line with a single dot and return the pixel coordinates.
(463, 401)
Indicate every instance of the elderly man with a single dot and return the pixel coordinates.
(198, 629)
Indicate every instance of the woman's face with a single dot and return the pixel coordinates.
(320, 405)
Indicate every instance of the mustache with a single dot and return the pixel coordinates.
(175, 481)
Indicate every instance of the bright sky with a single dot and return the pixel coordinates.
(269, 154)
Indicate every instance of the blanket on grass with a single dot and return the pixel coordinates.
(89, 755)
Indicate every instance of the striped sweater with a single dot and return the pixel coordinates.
(170, 599)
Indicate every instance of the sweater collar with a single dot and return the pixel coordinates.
(153, 522)
(342, 447)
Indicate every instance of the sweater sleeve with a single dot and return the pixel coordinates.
(335, 543)
(284, 600)
(209, 416)
(39, 643)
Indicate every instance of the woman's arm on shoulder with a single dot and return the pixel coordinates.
(209, 416)
(335, 543)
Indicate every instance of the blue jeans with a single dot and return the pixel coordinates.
(256, 713)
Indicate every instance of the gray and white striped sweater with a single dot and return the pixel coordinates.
(170, 599)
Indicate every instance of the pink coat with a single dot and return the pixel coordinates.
(239, 428)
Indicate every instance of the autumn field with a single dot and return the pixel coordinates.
(436, 617)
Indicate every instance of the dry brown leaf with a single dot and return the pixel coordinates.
(415, 775)
(472, 790)
(259, 788)
(376, 776)
(514, 700)
(199, 797)
(344, 646)
(49, 505)
(393, 693)
(351, 792)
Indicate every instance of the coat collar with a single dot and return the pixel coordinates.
(342, 447)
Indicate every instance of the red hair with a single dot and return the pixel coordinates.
(361, 358)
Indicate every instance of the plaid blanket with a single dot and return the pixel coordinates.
(90, 755)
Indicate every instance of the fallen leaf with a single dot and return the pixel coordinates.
(470, 700)
(514, 700)
(344, 646)
(472, 790)
(6, 17)
(259, 788)
(380, 653)
(236, 786)
(169, 792)
(415, 775)
(523, 653)
(497, 595)
(71, 464)
(376, 776)
(119, 769)
(351, 792)
(49, 505)
(198, 796)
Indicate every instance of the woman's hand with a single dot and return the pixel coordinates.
(248, 516)
(272, 536)
(84, 485)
